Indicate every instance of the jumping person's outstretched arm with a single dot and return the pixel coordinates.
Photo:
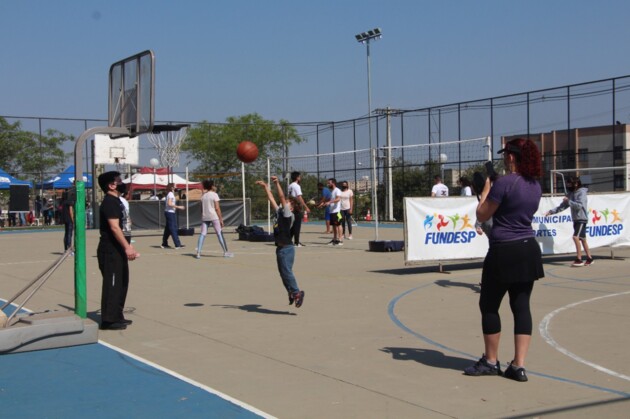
(270, 197)
(281, 197)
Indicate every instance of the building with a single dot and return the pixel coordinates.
(599, 155)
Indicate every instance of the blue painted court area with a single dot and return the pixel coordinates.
(99, 382)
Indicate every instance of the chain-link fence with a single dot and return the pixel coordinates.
(576, 126)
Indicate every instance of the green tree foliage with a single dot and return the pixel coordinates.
(28, 155)
(412, 181)
(213, 146)
(417, 181)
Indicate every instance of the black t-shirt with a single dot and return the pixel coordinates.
(111, 207)
(282, 229)
(69, 199)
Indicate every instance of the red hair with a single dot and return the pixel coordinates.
(528, 159)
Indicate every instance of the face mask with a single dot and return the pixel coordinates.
(331, 187)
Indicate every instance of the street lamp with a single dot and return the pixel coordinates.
(365, 38)
(154, 163)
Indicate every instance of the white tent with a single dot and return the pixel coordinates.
(146, 180)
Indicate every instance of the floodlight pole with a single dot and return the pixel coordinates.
(365, 38)
(369, 87)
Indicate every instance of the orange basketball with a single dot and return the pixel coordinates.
(247, 151)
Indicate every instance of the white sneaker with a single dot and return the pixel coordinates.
(228, 255)
(197, 256)
(350, 237)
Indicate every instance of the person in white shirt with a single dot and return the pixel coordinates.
(126, 227)
(211, 215)
(439, 189)
(335, 212)
(295, 191)
(465, 184)
(170, 229)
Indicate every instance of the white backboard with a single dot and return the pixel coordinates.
(123, 150)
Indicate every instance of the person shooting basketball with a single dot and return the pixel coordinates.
(285, 250)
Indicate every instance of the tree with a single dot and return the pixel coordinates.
(214, 146)
(28, 155)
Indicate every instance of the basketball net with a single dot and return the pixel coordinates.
(168, 145)
(120, 164)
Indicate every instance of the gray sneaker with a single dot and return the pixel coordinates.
(482, 367)
(228, 255)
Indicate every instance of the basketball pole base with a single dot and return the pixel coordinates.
(48, 330)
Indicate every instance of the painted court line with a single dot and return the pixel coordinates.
(546, 335)
(390, 310)
(188, 380)
(83, 357)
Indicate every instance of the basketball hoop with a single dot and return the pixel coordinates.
(168, 140)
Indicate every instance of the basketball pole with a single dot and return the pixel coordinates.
(244, 198)
(80, 288)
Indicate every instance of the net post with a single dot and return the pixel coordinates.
(268, 202)
(374, 205)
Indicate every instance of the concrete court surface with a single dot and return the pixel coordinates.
(374, 338)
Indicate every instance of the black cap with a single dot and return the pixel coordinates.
(512, 148)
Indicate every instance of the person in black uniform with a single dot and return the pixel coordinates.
(114, 254)
(68, 201)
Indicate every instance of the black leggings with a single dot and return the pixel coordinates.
(490, 300)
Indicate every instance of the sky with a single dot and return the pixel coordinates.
(298, 60)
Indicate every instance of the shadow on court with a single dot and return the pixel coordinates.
(428, 357)
(254, 308)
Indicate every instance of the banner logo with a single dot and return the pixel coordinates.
(448, 229)
(601, 226)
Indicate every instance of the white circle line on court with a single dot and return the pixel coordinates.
(543, 328)
(391, 311)
(188, 380)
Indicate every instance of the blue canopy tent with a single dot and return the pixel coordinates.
(6, 180)
(65, 180)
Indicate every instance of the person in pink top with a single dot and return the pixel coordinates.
(347, 203)
(211, 215)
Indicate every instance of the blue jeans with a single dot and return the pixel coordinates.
(346, 218)
(285, 256)
(170, 229)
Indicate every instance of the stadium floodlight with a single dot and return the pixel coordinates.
(365, 37)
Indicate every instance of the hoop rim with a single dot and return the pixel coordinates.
(157, 129)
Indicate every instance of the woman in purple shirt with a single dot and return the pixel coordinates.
(514, 259)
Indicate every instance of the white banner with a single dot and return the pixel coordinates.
(444, 228)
